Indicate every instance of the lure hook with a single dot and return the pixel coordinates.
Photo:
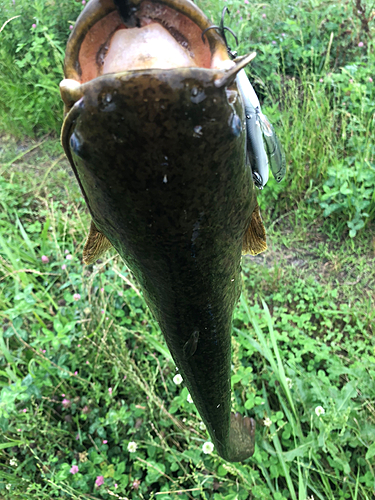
(221, 29)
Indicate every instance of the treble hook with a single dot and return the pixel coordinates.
(221, 29)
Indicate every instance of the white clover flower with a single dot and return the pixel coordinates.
(289, 382)
(8, 486)
(13, 462)
(319, 410)
(132, 447)
(208, 448)
(189, 399)
(202, 426)
(267, 422)
(177, 379)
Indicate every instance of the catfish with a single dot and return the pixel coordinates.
(155, 132)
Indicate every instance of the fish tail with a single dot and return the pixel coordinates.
(254, 241)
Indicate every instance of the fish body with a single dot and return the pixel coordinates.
(161, 160)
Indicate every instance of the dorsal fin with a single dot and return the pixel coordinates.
(254, 241)
(96, 245)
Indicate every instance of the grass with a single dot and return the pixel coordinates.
(311, 345)
(84, 370)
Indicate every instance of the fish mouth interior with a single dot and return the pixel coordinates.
(156, 36)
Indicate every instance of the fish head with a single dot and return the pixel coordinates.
(116, 36)
(140, 72)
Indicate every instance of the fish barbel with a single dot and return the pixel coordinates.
(155, 133)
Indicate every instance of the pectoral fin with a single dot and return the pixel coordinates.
(254, 241)
(96, 245)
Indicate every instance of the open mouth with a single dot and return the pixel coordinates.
(144, 34)
(115, 37)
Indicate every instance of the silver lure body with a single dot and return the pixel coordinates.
(274, 149)
(263, 145)
(255, 147)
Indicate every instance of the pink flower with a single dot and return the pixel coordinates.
(273, 42)
(18, 430)
(75, 373)
(33, 26)
(79, 345)
(136, 484)
(360, 44)
(99, 481)
(351, 80)
(83, 2)
(66, 251)
(71, 27)
(264, 16)
(102, 290)
(76, 296)
(110, 390)
(66, 403)
(69, 257)
(116, 485)
(74, 469)
(63, 267)
(24, 410)
(85, 409)
(102, 311)
(63, 395)
(283, 34)
(370, 79)
(321, 80)
(105, 441)
(87, 363)
(246, 1)
(45, 258)
(77, 437)
(44, 351)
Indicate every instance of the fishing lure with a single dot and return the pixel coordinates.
(255, 146)
(263, 145)
(274, 149)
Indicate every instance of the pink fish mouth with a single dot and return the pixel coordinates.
(112, 37)
(155, 35)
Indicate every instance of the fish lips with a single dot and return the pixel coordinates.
(100, 19)
(113, 37)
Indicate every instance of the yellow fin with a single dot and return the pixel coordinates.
(254, 241)
(96, 245)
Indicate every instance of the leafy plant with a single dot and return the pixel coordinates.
(349, 191)
(31, 63)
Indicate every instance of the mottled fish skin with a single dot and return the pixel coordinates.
(160, 157)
